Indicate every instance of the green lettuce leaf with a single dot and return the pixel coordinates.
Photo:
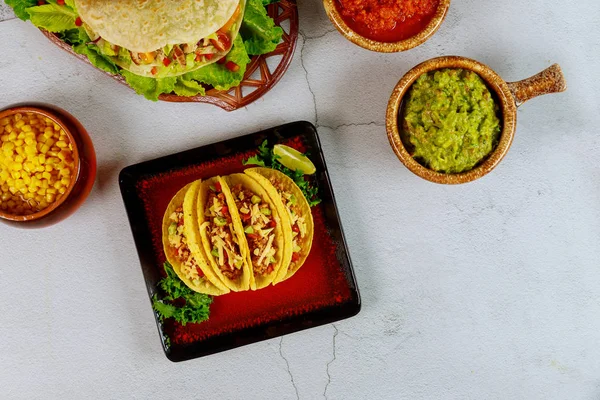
(20, 7)
(188, 87)
(217, 75)
(52, 17)
(150, 88)
(260, 34)
(196, 306)
(96, 58)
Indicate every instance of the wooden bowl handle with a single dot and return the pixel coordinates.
(550, 80)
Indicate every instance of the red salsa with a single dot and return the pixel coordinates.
(387, 20)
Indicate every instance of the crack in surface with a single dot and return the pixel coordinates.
(314, 96)
(307, 80)
(307, 37)
(372, 123)
(331, 361)
(288, 368)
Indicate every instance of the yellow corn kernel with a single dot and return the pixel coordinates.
(29, 141)
(4, 137)
(16, 166)
(48, 133)
(4, 121)
(19, 124)
(19, 142)
(26, 179)
(51, 190)
(27, 128)
(52, 154)
(10, 130)
(30, 149)
(8, 146)
(33, 188)
(19, 158)
(45, 184)
(18, 116)
(62, 190)
(65, 172)
(23, 189)
(42, 159)
(65, 181)
(46, 175)
(61, 144)
(45, 148)
(13, 189)
(48, 168)
(50, 142)
(41, 191)
(19, 183)
(39, 168)
(57, 185)
(29, 196)
(15, 174)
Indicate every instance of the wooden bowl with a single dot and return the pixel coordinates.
(509, 95)
(84, 169)
(386, 47)
(250, 89)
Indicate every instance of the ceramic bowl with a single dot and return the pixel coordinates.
(84, 167)
(386, 47)
(510, 95)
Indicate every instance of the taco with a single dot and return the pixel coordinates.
(182, 246)
(297, 220)
(162, 38)
(261, 226)
(222, 235)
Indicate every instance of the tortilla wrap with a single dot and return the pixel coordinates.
(148, 26)
(182, 247)
(281, 188)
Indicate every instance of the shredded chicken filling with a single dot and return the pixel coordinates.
(259, 227)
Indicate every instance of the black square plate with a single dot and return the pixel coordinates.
(324, 290)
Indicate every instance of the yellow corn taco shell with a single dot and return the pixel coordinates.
(222, 235)
(265, 243)
(297, 220)
(182, 247)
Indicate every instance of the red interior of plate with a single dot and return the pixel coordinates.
(320, 282)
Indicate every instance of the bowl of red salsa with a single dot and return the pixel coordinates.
(387, 25)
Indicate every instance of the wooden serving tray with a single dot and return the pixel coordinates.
(285, 15)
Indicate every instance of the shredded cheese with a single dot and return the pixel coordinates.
(266, 250)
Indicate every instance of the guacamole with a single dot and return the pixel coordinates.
(450, 120)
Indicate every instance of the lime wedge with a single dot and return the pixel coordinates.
(293, 159)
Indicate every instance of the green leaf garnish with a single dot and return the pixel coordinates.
(266, 158)
(195, 309)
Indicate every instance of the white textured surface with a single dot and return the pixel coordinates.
(489, 290)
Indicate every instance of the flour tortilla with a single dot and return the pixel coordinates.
(147, 25)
